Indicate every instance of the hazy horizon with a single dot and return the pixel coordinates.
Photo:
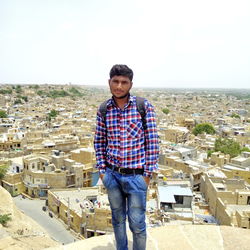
(134, 87)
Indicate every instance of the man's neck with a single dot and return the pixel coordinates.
(121, 102)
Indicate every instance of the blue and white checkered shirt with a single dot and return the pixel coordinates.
(123, 142)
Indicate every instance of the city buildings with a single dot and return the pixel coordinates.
(46, 141)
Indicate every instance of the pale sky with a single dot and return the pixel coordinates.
(167, 43)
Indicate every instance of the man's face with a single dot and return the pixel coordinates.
(120, 86)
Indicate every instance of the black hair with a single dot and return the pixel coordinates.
(121, 70)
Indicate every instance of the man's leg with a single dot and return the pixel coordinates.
(137, 195)
(117, 202)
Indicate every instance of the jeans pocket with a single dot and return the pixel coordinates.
(104, 179)
(145, 185)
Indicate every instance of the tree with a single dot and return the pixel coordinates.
(227, 146)
(3, 114)
(25, 98)
(245, 149)
(35, 86)
(75, 91)
(6, 91)
(165, 110)
(58, 93)
(204, 128)
(19, 89)
(17, 101)
(209, 153)
(4, 219)
(234, 115)
(41, 93)
(52, 114)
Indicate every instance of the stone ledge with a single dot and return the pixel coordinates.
(176, 237)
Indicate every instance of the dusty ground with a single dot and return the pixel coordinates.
(21, 233)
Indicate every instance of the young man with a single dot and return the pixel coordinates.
(127, 154)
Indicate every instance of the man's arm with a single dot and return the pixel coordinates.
(152, 142)
(100, 143)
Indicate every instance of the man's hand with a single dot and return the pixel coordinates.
(146, 179)
(101, 176)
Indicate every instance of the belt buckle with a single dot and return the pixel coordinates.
(119, 171)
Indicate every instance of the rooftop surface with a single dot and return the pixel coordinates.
(78, 196)
(166, 194)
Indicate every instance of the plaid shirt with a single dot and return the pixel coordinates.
(123, 142)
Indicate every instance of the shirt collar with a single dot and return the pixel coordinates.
(131, 99)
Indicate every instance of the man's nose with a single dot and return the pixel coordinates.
(119, 85)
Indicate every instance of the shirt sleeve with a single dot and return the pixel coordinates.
(152, 141)
(100, 143)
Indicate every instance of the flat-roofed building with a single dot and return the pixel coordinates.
(44, 172)
(232, 171)
(85, 210)
(242, 160)
(228, 200)
(175, 201)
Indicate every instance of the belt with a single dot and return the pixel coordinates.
(126, 170)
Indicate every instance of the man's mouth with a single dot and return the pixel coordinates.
(118, 92)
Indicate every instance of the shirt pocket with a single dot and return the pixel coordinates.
(134, 129)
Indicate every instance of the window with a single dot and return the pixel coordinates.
(92, 198)
(90, 234)
(178, 199)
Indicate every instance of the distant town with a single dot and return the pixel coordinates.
(46, 152)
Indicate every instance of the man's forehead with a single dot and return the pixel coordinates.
(120, 77)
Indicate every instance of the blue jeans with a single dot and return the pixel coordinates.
(127, 196)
